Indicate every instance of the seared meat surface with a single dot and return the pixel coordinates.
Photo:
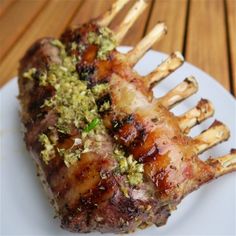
(114, 158)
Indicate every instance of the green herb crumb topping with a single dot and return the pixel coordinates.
(130, 167)
(100, 89)
(70, 157)
(30, 73)
(105, 106)
(76, 107)
(72, 101)
(105, 40)
(57, 43)
(48, 152)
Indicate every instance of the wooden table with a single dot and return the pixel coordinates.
(203, 30)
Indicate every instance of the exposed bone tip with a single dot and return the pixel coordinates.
(141, 3)
(163, 25)
(136, 10)
(191, 81)
(217, 123)
(173, 62)
(108, 16)
(178, 55)
(182, 91)
(155, 34)
(144, 1)
(233, 151)
(206, 106)
(216, 133)
(204, 101)
(203, 110)
(224, 164)
(223, 130)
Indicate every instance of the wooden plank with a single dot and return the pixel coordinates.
(231, 10)
(88, 10)
(50, 22)
(16, 20)
(86, 13)
(173, 13)
(206, 39)
(4, 4)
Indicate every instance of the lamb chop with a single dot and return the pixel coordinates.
(112, 157)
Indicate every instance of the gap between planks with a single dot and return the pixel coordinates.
(230, 10)
(173, 13)
(206, 44)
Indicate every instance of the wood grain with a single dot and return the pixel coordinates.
(206, 39)
(231, 10)
(12, 25)
(87, 12)
(4, 4)
(46, 24)
(173, 13)
(203, 33)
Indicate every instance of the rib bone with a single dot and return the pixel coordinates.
(129, 20)
(224, 164)
(217, 133)
(182, 91)
(153, 36)
(174, 61)
(106, 18)
(196, 115)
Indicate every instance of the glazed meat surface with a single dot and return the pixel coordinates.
(111, 156)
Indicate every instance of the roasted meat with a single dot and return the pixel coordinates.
(111, 156)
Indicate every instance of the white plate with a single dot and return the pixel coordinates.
(210, 210)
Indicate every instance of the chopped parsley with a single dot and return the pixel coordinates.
(92, 125)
